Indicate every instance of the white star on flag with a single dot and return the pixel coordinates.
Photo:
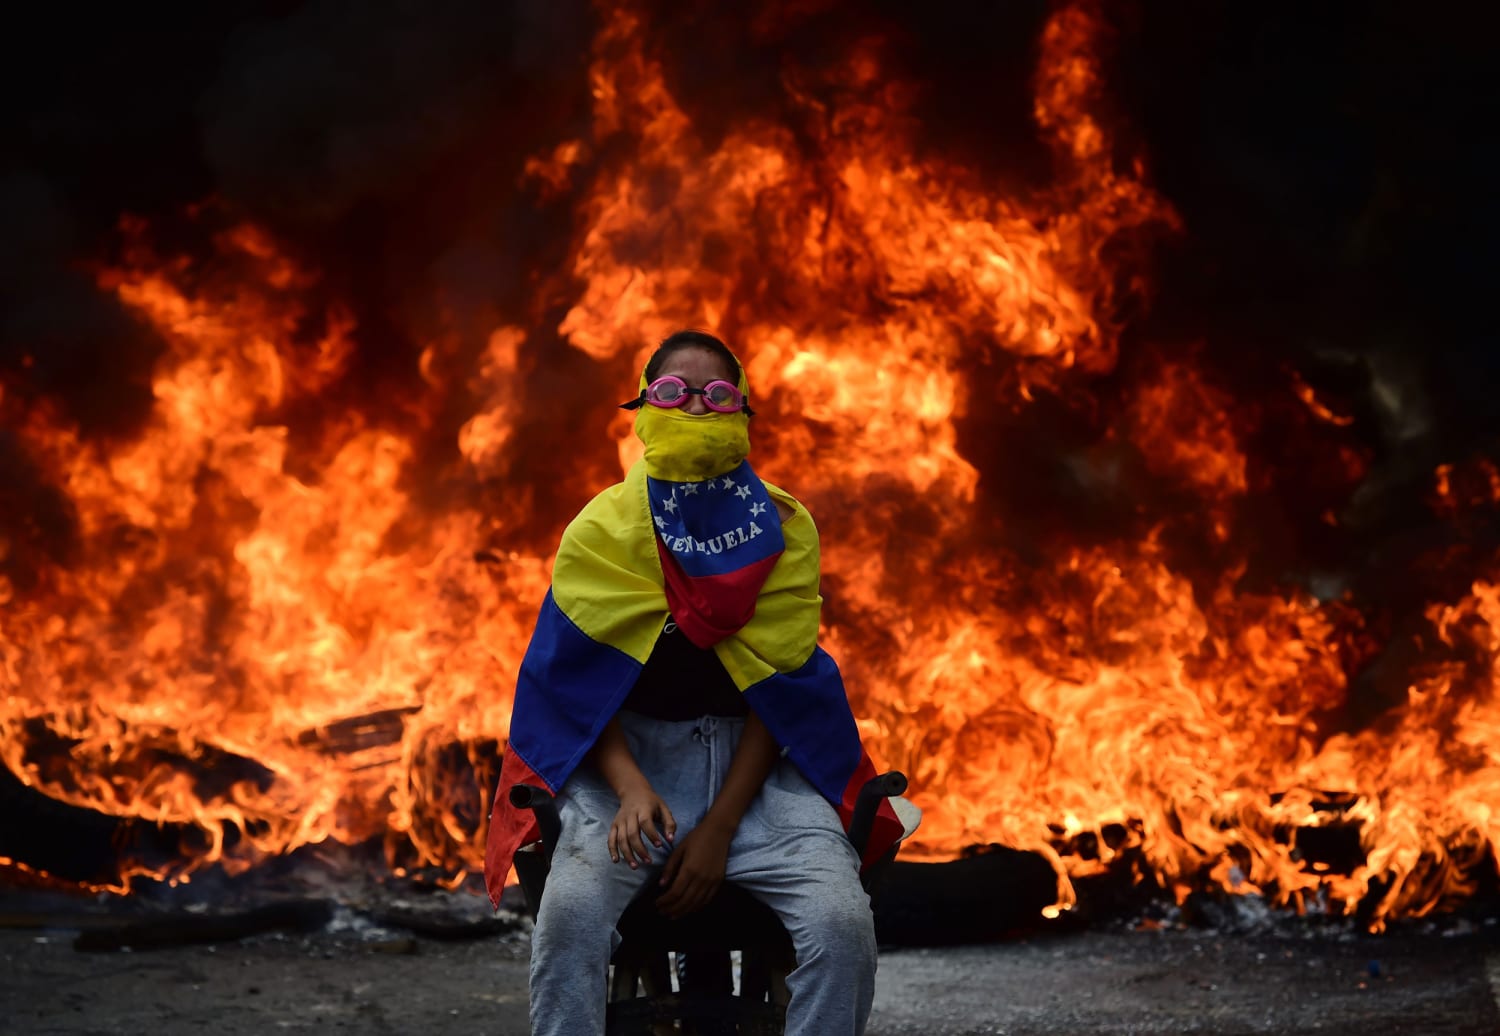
(756, 509)
(690, 488)
(661, 523)
(670, 503)
(728, 482)
(742, 492)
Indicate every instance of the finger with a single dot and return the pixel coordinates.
(685, 901)
(707, 895)
(648, 828)
(614, 843)
(633, 847)
(679, 898)
(670, 902)
(668, 822)
(699, 898)
(670, 871)
(674, 885)
(637, 845)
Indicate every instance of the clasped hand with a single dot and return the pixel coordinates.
(695, 867)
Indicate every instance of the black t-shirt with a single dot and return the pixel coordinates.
(682, 681)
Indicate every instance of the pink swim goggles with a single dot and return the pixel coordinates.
(671, 391)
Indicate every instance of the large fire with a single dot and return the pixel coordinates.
(280, 620)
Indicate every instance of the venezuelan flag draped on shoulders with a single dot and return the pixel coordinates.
(714, 555)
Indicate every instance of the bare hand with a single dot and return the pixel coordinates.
(694, 871)
(643, 817)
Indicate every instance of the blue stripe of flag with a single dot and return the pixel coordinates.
(568, 688)
(807, 711)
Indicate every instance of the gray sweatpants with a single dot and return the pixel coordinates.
(790, 852)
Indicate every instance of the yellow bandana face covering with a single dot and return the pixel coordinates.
(684, 447)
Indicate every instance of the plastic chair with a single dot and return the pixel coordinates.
(697, 948)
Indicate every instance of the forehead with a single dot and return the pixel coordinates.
(696, 366)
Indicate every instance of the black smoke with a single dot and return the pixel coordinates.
(1329, 163)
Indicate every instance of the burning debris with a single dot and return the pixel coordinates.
(285, 604)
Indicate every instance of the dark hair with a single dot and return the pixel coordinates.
(691, 340)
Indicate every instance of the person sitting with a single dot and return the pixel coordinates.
(675, 700)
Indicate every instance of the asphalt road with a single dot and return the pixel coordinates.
(351, 975)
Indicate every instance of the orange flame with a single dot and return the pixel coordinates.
(257, 583)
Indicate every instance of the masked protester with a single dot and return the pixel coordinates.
(676, 702)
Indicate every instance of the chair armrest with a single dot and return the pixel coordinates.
(882, 786)
(540, 802)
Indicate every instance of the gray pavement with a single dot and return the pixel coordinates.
(351, 977)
